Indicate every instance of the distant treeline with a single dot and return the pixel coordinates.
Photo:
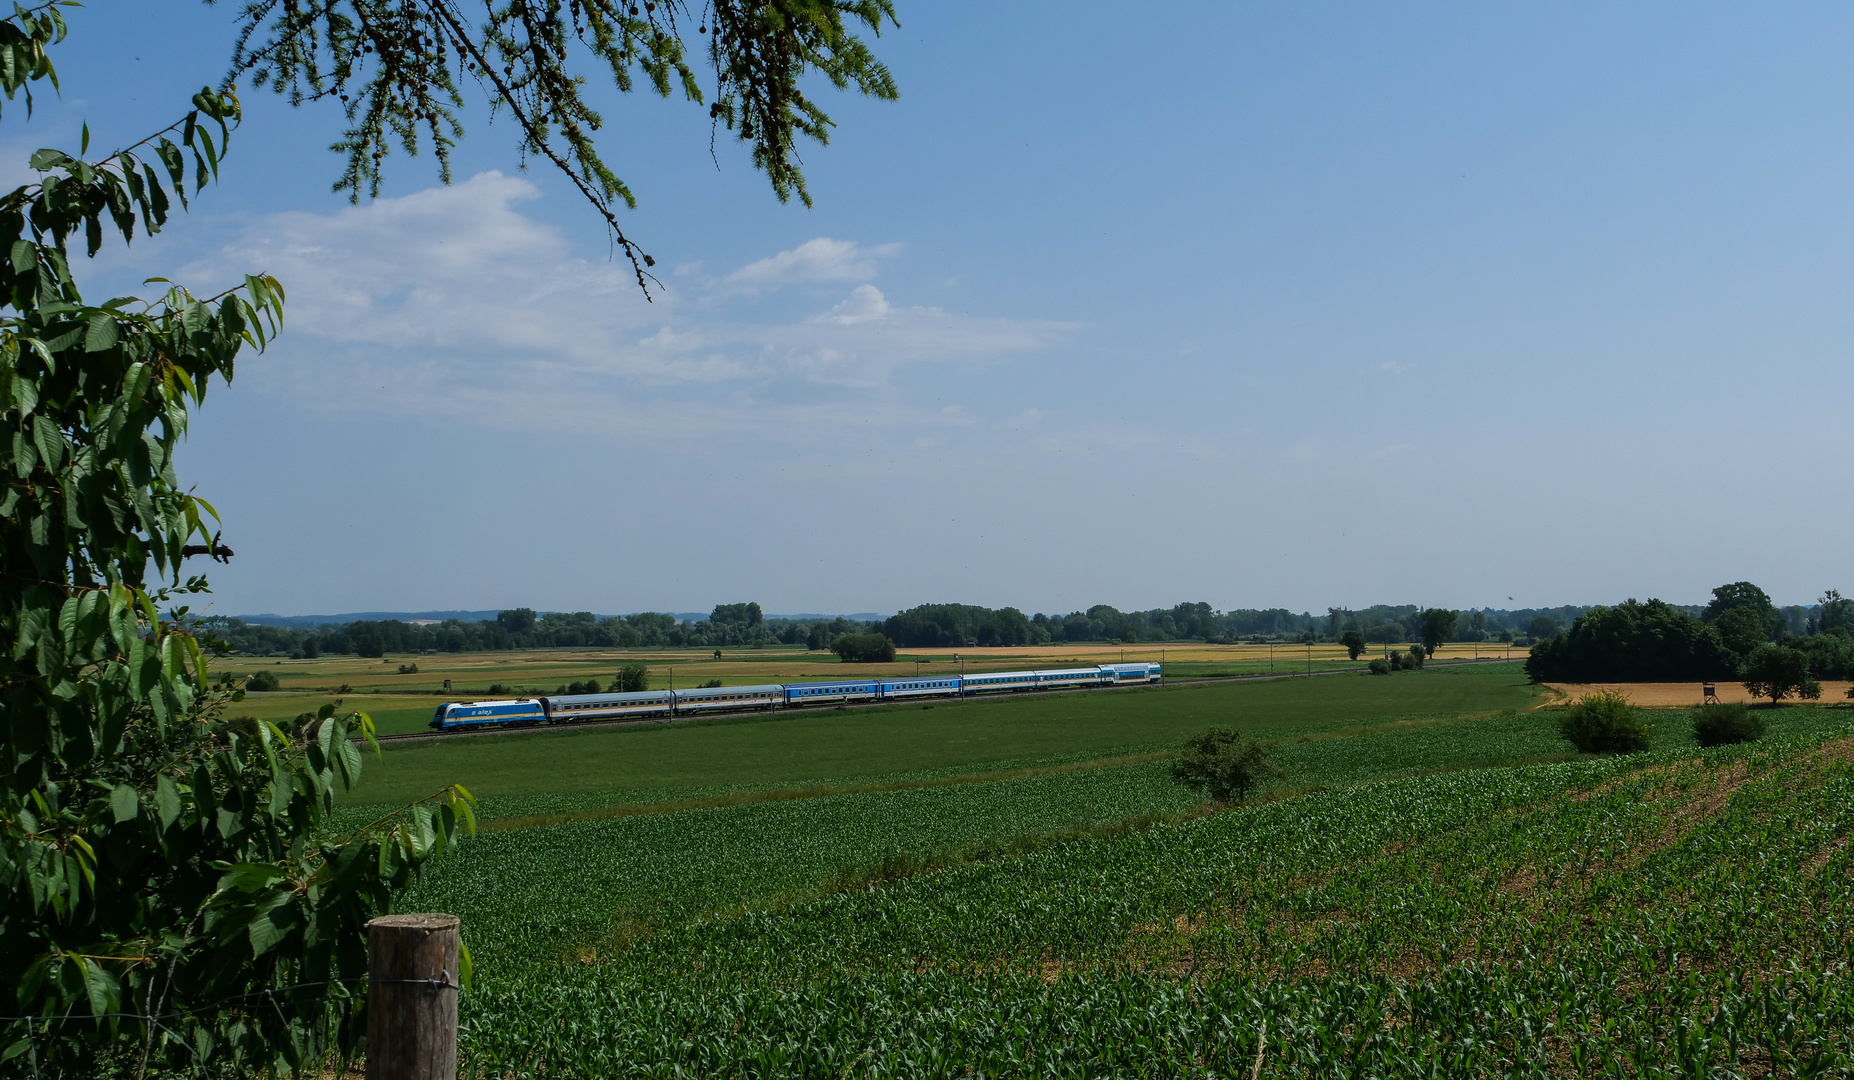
(925, 626)
(1659, 642)
(734, 625)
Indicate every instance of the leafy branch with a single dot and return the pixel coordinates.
(152, 849)
(396, 67)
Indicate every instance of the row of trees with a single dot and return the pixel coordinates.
(1658, 642)
(745, 626)
(1742, 615)
(729, 625)
(942, 625)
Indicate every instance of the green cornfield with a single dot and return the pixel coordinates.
(1674, 914)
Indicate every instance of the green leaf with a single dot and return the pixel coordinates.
(124, 803)
(48, 441)
(275, 919)
(33, 621)
(350, 764)
(167, 800)
(249, 877)
(25, 457)
(100, 335)
(100, 987)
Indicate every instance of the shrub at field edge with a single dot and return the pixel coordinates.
(1604, 723)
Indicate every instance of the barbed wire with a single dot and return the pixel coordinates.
(269, 994)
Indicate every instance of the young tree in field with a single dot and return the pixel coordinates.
(1354, 643)
(1438, 626)
(1224, 765)
(631, 679)
(1778, 672)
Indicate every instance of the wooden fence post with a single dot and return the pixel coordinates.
(412, 1002)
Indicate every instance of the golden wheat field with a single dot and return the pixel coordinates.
(1675, 695)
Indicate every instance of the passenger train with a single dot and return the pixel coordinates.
(647, 704)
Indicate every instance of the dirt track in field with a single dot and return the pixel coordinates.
(1674, 695)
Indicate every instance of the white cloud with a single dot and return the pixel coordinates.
(453, 302)
(866, 304)
(822, 259)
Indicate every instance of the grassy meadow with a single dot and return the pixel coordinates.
(654, 826)
(403, 702)
(546, 668)
(809, 747)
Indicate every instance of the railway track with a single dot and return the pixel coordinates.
(589, 725)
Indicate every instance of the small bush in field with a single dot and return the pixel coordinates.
(1722, 725)
(1380, 666)
(1604, 723)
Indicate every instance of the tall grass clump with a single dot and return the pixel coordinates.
(1604, 723)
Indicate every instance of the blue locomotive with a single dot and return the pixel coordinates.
(649, 704)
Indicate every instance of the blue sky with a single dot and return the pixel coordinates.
(1301, 305)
